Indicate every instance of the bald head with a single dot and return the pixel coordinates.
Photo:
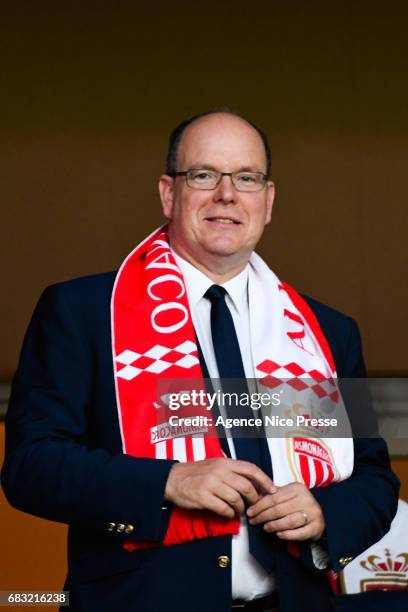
(177, 135)
(222, 142)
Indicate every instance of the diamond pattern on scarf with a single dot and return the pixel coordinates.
(152, 360)
(297, 378)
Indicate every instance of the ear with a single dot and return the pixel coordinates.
(166, 189)
(270, 196)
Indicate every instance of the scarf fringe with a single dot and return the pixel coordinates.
(187, 525)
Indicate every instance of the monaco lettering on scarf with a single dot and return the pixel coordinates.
(153, 336)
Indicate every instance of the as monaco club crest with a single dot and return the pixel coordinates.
(310, 460)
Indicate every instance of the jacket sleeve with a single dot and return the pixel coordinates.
(50, 469)
(358, 511)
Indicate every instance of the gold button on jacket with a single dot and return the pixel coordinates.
(223, 561)
(344, 560)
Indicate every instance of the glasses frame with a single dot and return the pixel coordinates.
(221, 174)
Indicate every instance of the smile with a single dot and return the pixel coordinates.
(224, 220)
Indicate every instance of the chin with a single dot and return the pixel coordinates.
(223, 243)
(223, 250)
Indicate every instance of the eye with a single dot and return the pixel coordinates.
(201, 175)
(247, 178)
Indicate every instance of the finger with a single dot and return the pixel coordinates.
(260, 480)
(217, 505)
(290, 491)
(311, 531)
(264, 502)
(274, 513)
(231, 497)
(277, 511)
(244, 487)
(292, 521)
(301, 534)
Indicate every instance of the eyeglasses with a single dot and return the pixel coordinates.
(210, 179)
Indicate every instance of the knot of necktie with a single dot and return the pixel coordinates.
(215, 293)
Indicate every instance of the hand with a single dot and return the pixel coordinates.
(221, 485)
(292, 513)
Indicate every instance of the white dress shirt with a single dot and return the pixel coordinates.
(249, 579)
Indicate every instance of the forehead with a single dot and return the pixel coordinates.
(223, 141)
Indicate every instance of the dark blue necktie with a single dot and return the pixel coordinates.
(232, 374)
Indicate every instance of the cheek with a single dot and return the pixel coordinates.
(191, 210)
(257, 223)
(187, 218)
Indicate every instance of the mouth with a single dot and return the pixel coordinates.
(223, 220)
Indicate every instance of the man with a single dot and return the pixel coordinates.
(153, 528)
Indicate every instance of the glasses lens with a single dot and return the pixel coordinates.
(202, 179)
(248, 181)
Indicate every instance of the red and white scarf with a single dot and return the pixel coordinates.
(153, 336)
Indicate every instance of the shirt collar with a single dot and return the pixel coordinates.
(197, 284)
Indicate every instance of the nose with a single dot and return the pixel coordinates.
(225, 191)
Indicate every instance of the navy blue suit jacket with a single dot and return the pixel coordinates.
(64, 462)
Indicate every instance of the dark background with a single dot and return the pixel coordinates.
(91, 90)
